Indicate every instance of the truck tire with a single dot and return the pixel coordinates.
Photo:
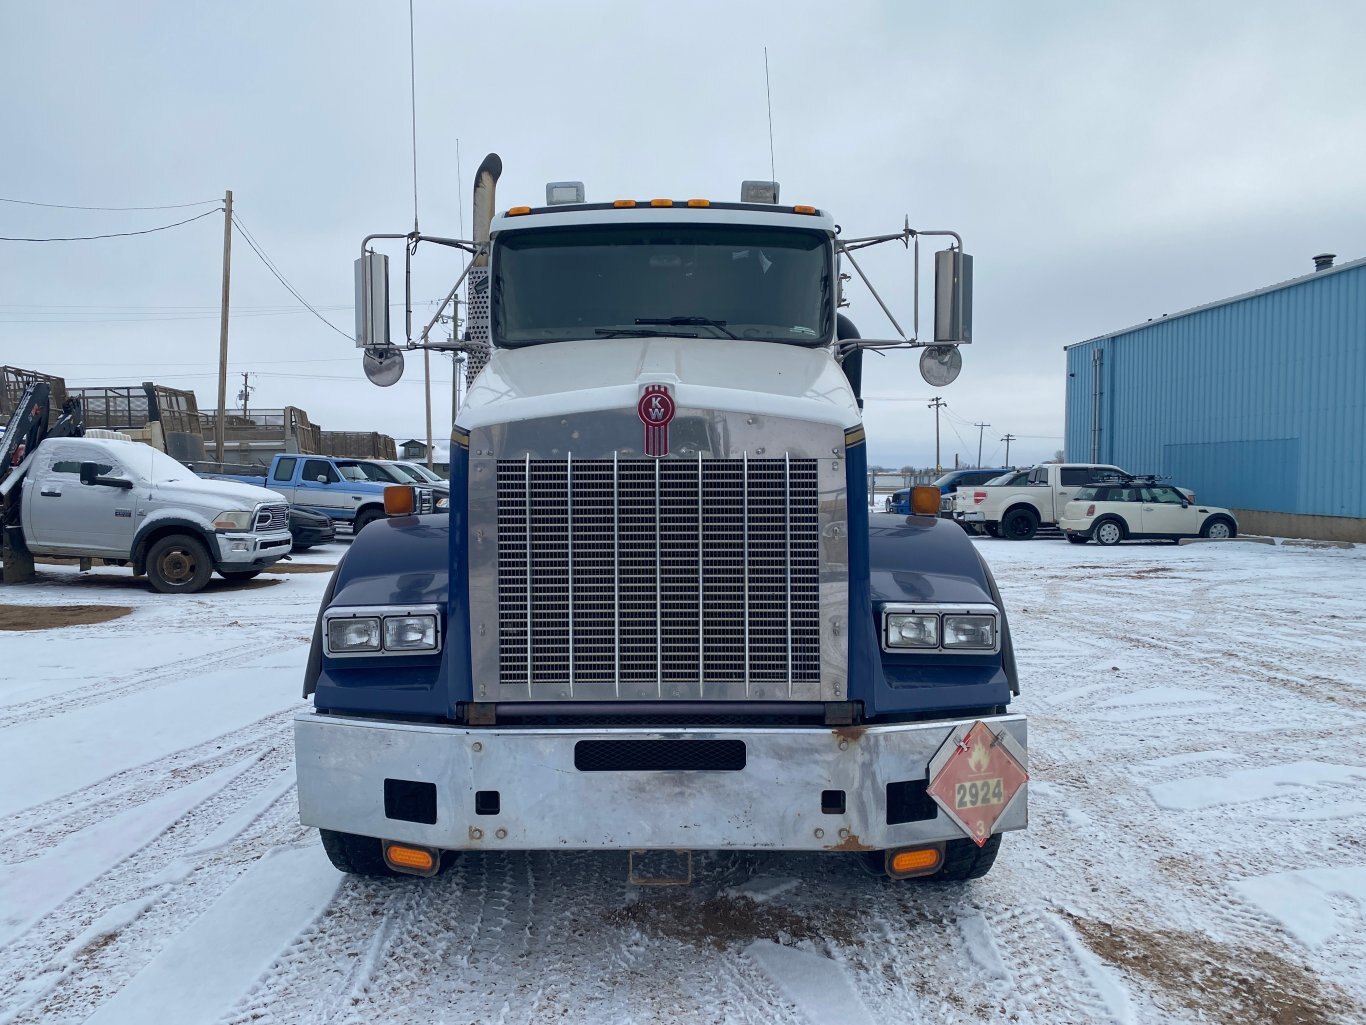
(1020, 524)
(992, 529)
(355, 855)
(364, 518)
(1218, 527)
(178, 564)
(239, 574)
(964, 860)
(1108, 532)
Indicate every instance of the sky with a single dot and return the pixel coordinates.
(1105, 164)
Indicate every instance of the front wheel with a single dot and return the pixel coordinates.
(1020, 525)
(355, 855)
(178, 564)
(364, 519)
(1108, 532)
(1218, 529)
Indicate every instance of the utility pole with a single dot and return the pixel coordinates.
(1008, 439)
(936, 404)
(427, 379)
(245, 393)
(980, 429)
(222, 425)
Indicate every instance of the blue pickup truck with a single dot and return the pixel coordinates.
(320, 484)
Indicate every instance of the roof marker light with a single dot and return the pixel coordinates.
(803, 209)
(516, 211)
(661, 202)
(623, 204)
(699, 202)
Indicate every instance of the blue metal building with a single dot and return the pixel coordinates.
(1257, 403)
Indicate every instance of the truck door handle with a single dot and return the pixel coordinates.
(50, 494)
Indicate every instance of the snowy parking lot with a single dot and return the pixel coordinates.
(1197, 850)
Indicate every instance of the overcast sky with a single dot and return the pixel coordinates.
(1105, 163)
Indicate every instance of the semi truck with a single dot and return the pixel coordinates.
(659, 616)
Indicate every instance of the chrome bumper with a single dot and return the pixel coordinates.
(253, 549)
(546, 803)
(971, 516)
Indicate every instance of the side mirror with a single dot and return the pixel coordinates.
(952, 296)
(89, 473)
(320, 479)
(372, 301)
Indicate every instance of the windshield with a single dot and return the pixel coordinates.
(695, 281)
(405, 473)
(162, 467)
(423, 472)
(357, 472)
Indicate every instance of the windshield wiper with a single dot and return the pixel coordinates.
(640, 332)
(720, 325)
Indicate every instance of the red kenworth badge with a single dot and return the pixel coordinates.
(656, 409)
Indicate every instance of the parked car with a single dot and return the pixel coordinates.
(422, 471)
(309, 528)
(389, 471)
(966, 497)
(1018, 512)
(1139, 508)
(318, 483)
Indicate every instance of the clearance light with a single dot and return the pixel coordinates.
(925, 500)
(699, 202)
(914, 861)
(420, 861)
(517, 211)
(803, 209)
(623, 204)
(399, 500)
(661, 202)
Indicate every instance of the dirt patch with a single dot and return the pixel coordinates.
(300, 567)
(726, 921)
(1218, 981)
(51, 617)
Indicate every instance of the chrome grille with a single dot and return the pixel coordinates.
(656, 574)
(271, 517)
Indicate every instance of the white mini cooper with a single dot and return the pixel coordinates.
(1141, 508)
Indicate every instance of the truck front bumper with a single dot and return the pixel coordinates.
(814, 788)
(242, 551)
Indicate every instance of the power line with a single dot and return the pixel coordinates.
(270, 266)
(116, 234)
(69, 206)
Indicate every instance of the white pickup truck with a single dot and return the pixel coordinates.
(123, 502)
(1016, 512)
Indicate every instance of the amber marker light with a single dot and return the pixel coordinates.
(661, 202)
(803, 209)
(410, 859)
(517, 211)
(924, 859)
(925, 500)
(398, 500)
(699, 202)
(624, 204)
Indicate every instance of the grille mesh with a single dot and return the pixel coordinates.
(272, 517)
(658, 572)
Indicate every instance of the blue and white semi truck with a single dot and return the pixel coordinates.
(659, 616)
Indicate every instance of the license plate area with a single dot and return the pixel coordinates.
(659, 755)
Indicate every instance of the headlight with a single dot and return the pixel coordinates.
(912, 631)
(409, 633)
(359, 633)
(352, 630)
(443, 502)
(233, 519)
(950, 629)
(970, 632)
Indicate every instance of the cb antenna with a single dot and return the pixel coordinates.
(412, 97)
(768, 95)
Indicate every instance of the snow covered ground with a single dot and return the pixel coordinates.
(1197, 851)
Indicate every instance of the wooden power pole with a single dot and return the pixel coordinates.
(935, 404)
(222, 425)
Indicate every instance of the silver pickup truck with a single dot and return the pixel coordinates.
(127, 503)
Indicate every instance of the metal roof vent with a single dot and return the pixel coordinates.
(1324, 260)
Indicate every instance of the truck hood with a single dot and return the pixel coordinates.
(738, 375)
(230, 493)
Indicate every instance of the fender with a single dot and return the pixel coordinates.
(182, 525)
(400, 561)
(926, 559)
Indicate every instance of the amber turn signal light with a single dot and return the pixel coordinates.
(399, 500)
(913, 861)
(421, 861)
(925, 500)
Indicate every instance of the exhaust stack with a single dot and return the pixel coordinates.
(477, 288)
